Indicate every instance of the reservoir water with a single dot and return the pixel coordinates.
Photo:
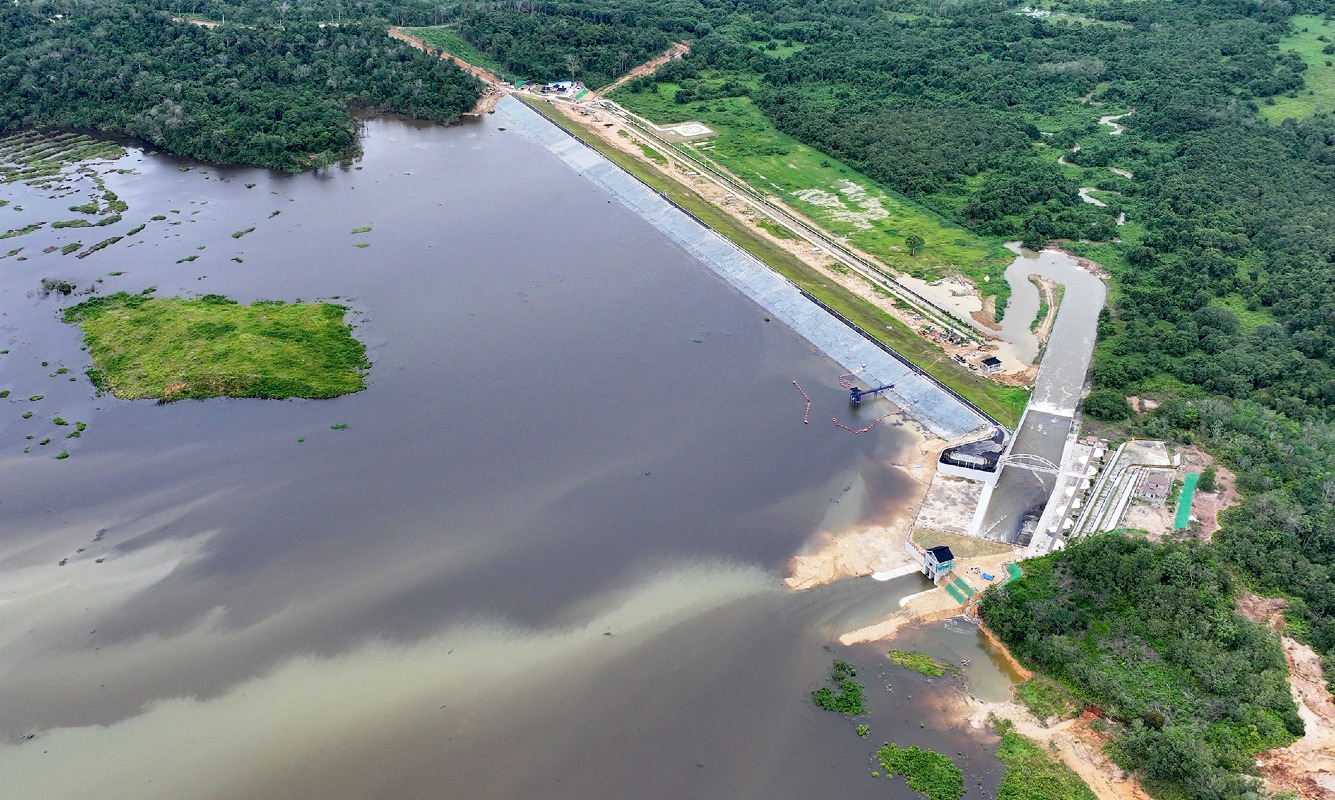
(543, 559)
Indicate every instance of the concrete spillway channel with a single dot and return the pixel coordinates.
(926, 402)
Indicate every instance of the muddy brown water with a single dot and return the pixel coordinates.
(543, 559)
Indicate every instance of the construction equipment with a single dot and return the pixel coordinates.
(855, 394)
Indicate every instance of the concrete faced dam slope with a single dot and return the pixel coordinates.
(924, 400)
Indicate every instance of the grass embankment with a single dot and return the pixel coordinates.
(1046, 699)
(172, 348)
(839, 198)
(1032, 774)
(1310, 36)
(1004, 403)
(918, 662)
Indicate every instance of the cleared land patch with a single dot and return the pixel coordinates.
(1310, 38)
(172, 348)
(842, 200)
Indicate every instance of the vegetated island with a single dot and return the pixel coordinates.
(172, 348)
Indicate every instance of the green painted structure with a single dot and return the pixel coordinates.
(1184, 501)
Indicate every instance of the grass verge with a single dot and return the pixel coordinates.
(1004, 403)
(171, 348)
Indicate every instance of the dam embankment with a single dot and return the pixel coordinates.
(926, 402)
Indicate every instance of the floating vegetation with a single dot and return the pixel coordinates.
(35, 398)
(58, 421)
(133, 231)
(99, 246)
(239, 234)
(27, 415)
(363, 244)
(72, 223)
(356, 231)
(238, 259)
(922, 664)
(341, 426)
(87, 208)
(70, 248)
(848, 698)
(171, 348)
(52, 286)
(37, 156)
(186, 259)
(25, 230)
(62, 454)
(158, 217)
(274, 214)
(4, 393)
(928, 773)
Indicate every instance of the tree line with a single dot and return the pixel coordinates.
(272, 95)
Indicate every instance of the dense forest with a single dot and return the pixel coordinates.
(1149, 633)
(272, 95)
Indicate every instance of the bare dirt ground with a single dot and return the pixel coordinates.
(1156, 520)
(677, 50)
(1078, 747)
(1049, 289)
(1306, 767)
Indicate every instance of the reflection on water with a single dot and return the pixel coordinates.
(541, 560)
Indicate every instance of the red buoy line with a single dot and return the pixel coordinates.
(844, 379)
(806, 415)
(874, 423)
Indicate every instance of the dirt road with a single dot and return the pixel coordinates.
(494, 84)
(649, 67)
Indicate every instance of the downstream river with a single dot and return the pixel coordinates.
(543, 559)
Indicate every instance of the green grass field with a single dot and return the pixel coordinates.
(1004, 403)
(171, 348)
(448, 40)
(1319, 79)
(839, 198)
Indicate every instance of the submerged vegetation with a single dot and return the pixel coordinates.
(171, 348)
(846, 697)
(918, 662)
